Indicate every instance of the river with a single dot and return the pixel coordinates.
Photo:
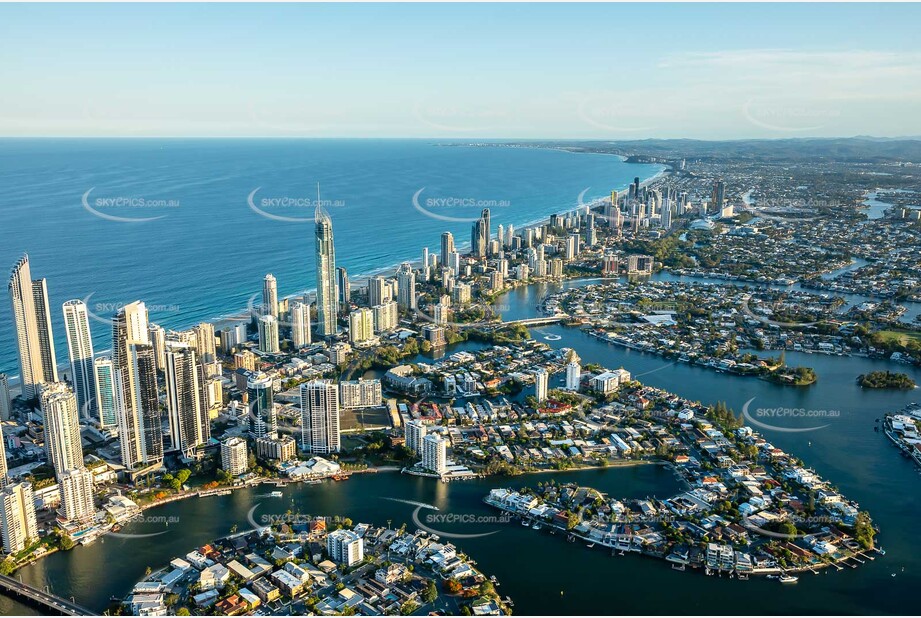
(545, 575)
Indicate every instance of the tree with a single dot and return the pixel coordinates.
(430, 593)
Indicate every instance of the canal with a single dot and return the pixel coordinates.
(545, 575)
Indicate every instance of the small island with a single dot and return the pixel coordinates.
(885, 379)
(795, 376)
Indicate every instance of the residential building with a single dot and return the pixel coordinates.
(80, 353)
(62, 430)
(360, 393)
(18, 525)
(386, 316)
(320, 417)
(234, 456)
(541, 382)
(361, 326)
(415, 434)
(77, 496)
(189, 423)
(106, 396)
(345, 547)
(300, 324)
(33, 329)
(327, 298)
(435, 453)
(270, 296)
(261, 401)
(268, 334)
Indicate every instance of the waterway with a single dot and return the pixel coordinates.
(545, 575)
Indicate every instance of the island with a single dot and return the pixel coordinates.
(885, 379)
(299, 565)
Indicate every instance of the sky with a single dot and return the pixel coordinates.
(594, 71)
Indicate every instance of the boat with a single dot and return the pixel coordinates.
(788, 579)
(590, 545)
(678, 567)
(536, 526)
(275, 494)
(525, 522)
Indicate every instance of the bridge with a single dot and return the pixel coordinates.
(538, 321)
(45, 600)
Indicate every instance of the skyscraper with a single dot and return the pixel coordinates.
(18, 524)
(361, 325)
(33, 329)
(45, 335)
(188, 418)
(719, 194)
(261, 396)
(415, 433)
(541, 380)
(573, 371)
(270, 296)
(300, 324)
(447, 247)
(205, 344)
(379, 292)
(6, 402)
(435, 453)
(106, 397)
(234, 456)
(406, 287)
(327, 301)
(268, 334)
(157, 337)
(344, 287)
(479, 241)
(320, 417)
(139, 423)
(77, 496)
(80, 352)
(62, 430)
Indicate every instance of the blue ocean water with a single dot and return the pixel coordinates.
(171, 222)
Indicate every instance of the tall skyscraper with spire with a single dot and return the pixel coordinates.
(479, 241)
(31, 318)
(80, 351)
(327, 299)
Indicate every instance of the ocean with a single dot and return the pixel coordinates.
(192, 226)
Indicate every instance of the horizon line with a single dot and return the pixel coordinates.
(464, 139)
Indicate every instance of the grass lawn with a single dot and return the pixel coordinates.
(900, 337)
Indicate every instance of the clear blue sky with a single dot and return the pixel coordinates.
(519, 71)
